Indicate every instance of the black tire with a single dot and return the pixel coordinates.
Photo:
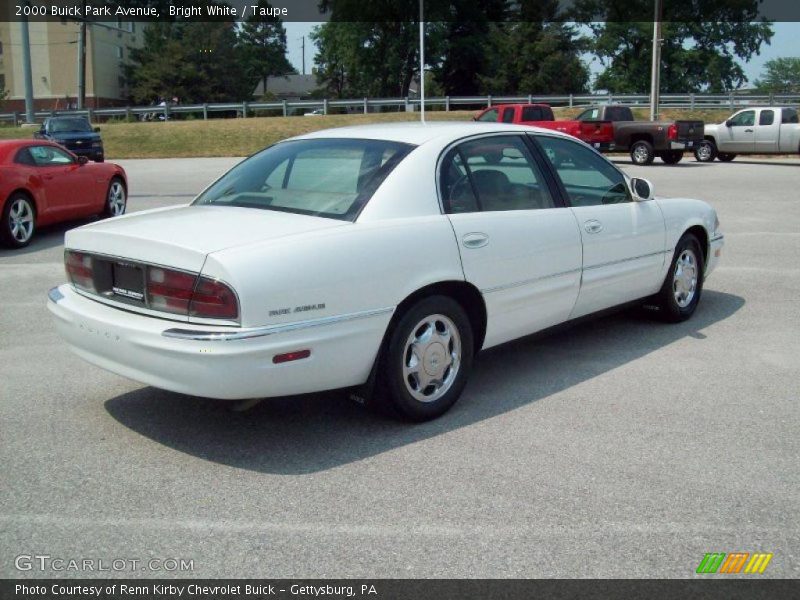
(672, 157)
(24, 216)
(642, 153)
(725, 157)
(111, 207)
(669, 308)
(705, 151)
(392, 394)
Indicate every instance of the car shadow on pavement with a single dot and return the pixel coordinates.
(45, 238)
(315, 432)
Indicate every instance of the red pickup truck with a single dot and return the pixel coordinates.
(599, 134)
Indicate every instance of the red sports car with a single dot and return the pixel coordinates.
(42, 183)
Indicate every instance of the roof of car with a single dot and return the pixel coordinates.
(9, 147)
(414, 132)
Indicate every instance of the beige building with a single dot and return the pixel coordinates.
(54, 63)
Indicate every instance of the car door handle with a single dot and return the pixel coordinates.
(593, 226)
(748, 131)
(476, 239)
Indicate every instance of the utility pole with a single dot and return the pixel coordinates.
(421, 63)
(26, 69)
(303, 46)
(655, 71)
(81, 95)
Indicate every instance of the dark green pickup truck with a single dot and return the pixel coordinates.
(646, 139)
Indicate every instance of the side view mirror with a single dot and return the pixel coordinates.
(728, 123)
(97, 130)
(82, 160)
(641, 189)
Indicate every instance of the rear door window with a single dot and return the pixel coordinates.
(537, 113)
(508, 115)
(767, 117)
(495, 173)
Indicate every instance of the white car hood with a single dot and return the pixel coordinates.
(182, 236)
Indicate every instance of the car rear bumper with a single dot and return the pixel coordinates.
(715, 246)
(341, 352)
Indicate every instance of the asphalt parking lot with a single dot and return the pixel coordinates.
(619, 447)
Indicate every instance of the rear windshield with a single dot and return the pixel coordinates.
(331, 178)
(78, 124)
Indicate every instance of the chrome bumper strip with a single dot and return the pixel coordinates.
(255, 332)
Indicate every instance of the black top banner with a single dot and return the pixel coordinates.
(403, 10)
(394, 589)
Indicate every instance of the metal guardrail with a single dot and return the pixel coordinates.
(730, 101)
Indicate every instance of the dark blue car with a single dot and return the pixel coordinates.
(75, 134)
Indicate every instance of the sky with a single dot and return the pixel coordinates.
(785, 42)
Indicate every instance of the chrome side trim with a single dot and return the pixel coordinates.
(55, 295)
(255, 332)
(624, 260)
(507, 286)
(716, 238)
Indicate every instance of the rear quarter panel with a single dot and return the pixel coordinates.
(361, 267)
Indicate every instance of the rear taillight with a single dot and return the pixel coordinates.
(214, 300)
(189, 294)
(80, 270)
(169, 291)
(672, 132)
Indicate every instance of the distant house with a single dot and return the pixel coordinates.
(288, 87)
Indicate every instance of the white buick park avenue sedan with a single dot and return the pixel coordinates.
(380, 258)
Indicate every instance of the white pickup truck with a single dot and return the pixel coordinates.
(769, 130)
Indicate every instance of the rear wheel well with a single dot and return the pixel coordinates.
(641, 137)
(702, 236)
(466, 294)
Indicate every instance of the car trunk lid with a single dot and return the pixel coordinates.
(183, 236)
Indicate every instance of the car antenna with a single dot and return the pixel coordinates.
(421, 63)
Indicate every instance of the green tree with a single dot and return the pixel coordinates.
(780, 76)
(194, 61)
(535, 58)
(472, 46)
(699, 51)
(458, 48)
(263, 44)
(366, 58)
